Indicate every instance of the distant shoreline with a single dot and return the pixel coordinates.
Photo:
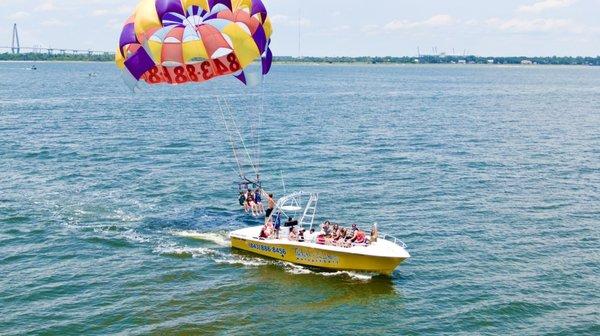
(367, 60)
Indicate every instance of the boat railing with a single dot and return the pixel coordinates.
(392, 239)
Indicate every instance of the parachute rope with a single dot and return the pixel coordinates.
(237, 129)
(232, 128)
(229, 133)
(260, 113)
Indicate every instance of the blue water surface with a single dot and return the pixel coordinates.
(490, 174)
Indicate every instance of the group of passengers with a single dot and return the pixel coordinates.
(336, 235)
(330, 234)
(252, 201)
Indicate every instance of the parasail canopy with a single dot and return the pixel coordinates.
(192, 41)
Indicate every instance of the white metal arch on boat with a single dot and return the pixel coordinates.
(293, 203)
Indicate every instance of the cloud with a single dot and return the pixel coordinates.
(46, 6)
(534, 25)
(341, 28)
(18, 15)
(440, 20)
(543, 5)
(54, 23)
(124, 9)
(99, 12)
(114, 24)
(370, 29)
(284, 20)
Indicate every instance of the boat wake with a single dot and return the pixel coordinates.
(244, 261)
(227, 258)
(212, 249)
(217, 238)
(186, 251)
(216, 256)
(300, 270)
(350, 274)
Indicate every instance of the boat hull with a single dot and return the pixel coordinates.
(315, 257)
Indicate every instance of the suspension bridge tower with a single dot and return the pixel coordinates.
(16, 46)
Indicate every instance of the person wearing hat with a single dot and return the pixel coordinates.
(353, 229)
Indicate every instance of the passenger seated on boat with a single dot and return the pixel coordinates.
(291, 222)
(349, 235)
(353, 229)
(293, 235)
(359, 237)
(339, 238)
(320, 238)
(266, 231)
(336, 235)
(301, 235)
(326, 228)
(374, 234)
(310, 237)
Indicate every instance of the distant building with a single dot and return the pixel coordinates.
(462, 61)
(526, 62)
(416, 60)
(490, 61)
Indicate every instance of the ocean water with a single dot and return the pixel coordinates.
(115, 207)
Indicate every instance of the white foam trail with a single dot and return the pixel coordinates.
(254, 262)
(125, 217)
(133, 236)
(229, 259)
(296, 269)
(299, 269)
(191, 251)
(352, 275)
(219, 239)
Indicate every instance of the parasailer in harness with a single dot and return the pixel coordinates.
(258, 202)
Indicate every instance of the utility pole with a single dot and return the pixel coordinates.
(16, 46)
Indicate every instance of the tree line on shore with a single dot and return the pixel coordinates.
(426, 59)
(443, 59)
(57, 57)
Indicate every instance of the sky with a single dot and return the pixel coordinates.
(346, 27)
